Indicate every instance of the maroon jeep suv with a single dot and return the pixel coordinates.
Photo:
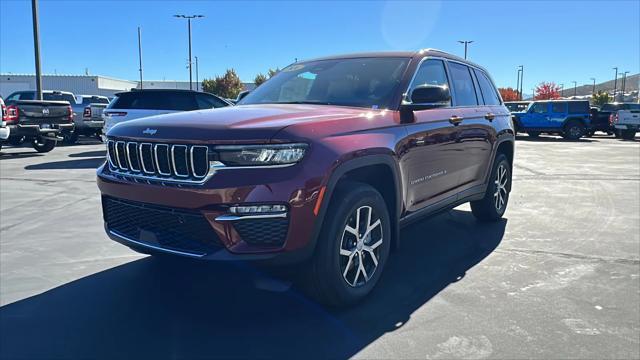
(321, 165)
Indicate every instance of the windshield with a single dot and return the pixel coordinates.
(359, 82)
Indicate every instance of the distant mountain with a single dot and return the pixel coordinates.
(631, 85)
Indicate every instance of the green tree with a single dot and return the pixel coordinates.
(259, 79)
(272, 72)
(226, 86)
(600, 98)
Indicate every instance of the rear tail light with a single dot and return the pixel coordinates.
(87, 112)
(70, 113)
(11, 114)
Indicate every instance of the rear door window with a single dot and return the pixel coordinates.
(156, 100)
(27, 96)
(489, 93)
(539, 108)
(578, 107)
(465, 93)
(209, 101)
(559, 107)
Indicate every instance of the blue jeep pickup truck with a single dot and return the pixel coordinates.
(569, 118)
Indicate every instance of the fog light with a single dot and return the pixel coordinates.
(257, 209)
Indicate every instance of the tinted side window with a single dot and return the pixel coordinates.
(155, 100)
(489, 93)
(27, 96)
(559, 107)
(462, 84)
(209, 102)
(539, 108)
(431, 72)
(579, 107)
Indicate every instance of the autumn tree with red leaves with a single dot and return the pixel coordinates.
(509, 94)
(547, 91)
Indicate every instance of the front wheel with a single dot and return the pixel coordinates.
(574, 130)
(353, 247)
(43, 145)
(628, 134)
(494, 203)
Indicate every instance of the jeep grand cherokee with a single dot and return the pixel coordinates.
(322, 165)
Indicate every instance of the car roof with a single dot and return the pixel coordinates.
(429, 52)
(137, 91)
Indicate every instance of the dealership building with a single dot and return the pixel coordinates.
(87, 84)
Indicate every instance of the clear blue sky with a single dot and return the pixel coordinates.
(555, 41)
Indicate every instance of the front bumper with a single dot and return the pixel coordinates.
(195, 221)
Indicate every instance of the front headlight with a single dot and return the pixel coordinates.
(261, 155)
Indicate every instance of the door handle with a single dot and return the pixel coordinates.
(455, 120)
(490, 116)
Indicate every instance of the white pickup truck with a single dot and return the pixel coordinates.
(627, 123)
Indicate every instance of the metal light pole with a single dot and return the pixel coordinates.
(615, 84)
(624, 83)
(36, 47)
(465, 42)
(593, 90)
(518, 85)
(140, 55)
(575, 88)
(197, 81)
(521, 81)
(189, 17)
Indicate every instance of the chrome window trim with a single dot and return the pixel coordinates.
(173, 160)
(126, 147)
(155, 153)
(193, 168)
(144, 168)
(118, 155)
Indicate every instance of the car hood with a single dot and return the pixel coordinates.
(230, 124)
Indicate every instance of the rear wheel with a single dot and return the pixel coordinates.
(494, 203)
(353, 247)
(43, 145)
(70, 138)
(573, 130)
(628, 134)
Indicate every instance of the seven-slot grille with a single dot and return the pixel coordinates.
(182, 163)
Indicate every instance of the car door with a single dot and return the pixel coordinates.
(557, 114)
(428, 162)
(537, 116)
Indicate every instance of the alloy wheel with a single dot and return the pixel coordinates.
(360, 246)
(500, 195)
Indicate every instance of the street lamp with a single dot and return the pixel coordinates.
(593, 90)
(615, 84)
(624, 83)
(519, 82)
(575, 88)
(189, 17)
(465, 42)
(197, 81)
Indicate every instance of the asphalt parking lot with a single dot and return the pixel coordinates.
(558, 278)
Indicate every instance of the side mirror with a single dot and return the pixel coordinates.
(432, 95)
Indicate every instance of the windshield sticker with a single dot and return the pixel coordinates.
(293, 67)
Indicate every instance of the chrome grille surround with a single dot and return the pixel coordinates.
(149, 161)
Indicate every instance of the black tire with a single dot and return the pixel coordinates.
(533, 134)
(573, 130)
(43, 145)
(590, 134)
(325, 281)
(628, 134)
(70, 138)
(16, 140)
(487, 208)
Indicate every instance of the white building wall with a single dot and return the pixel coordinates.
(77, 84)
